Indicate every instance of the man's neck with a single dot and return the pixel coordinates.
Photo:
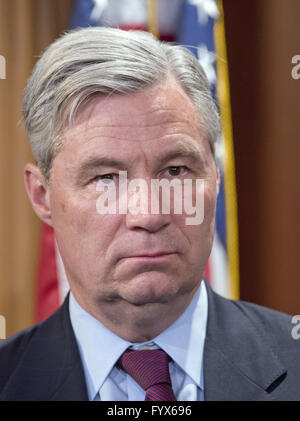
(137, 323)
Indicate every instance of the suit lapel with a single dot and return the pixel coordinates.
(51, 367)
(225, 382)
(238, 363)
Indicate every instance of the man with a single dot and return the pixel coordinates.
(139, 322)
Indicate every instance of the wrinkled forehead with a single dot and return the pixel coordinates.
(162, 107)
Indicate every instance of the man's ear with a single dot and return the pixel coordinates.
(38, 192)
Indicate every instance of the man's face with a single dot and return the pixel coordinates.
(132, 259)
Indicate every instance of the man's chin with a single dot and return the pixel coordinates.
(144, 300)
(147, 289)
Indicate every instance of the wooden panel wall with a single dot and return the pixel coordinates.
(26, 28)
(262, 38)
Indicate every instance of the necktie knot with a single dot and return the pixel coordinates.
(150, 369)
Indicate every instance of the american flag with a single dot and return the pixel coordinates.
(187, 22)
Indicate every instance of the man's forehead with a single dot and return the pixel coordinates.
(163, 103)
(117, 157)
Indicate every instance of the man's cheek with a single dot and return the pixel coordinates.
(210, 199)
(72, 216)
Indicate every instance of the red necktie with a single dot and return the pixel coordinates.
(150, 369)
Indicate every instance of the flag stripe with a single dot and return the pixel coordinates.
(229, 166)
(47, 300)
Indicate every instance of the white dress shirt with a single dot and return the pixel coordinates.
(183, 341)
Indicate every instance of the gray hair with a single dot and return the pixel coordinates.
(104, 61)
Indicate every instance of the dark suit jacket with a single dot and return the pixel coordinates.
(249, 355)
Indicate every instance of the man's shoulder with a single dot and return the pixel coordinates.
(19, 341)
(262, 314)
(15, 344)
(269, 322)
(247, 322)
(12, 351)
(30, 341)
(255, 347)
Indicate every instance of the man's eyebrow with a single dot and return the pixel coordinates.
(183, 150)
(96, 162)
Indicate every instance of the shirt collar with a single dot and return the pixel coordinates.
(100, 348)
(184, 339)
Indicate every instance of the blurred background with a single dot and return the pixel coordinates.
(262, 37)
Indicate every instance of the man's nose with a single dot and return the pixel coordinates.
(148, 221)
(148, 215)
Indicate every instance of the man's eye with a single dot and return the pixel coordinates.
(176, 170)
(105, 178)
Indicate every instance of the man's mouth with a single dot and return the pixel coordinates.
(155, 256)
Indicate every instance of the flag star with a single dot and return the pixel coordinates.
(205, 8)
(99, 6)
(207, 60)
